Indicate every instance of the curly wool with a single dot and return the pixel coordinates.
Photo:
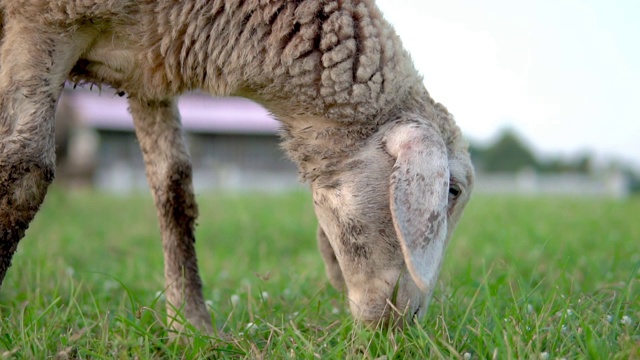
(334, 59)
(339, 59)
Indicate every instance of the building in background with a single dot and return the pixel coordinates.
(509, 166)
(233, 143)
(613, 184)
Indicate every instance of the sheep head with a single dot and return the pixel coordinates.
(386, 217)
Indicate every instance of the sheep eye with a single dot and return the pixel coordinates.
(454, 192)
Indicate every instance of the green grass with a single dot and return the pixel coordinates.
(523, 278)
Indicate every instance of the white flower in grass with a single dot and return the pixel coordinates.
(235, 299)
(265, 296)
(529, 309)
(294, 315)
(544, 355)
(251, 328)
(567, 312)
(209, 303)
(626, 320)
(609, 318)
(466, 356)
(335, 311)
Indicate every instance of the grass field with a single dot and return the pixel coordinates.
(523, 278)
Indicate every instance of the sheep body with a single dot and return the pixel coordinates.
(329, 60)
(333, 72)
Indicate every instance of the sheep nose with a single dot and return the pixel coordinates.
(392, 316)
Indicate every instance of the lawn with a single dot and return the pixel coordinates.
(526, 278)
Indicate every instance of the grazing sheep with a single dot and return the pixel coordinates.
(388, 167)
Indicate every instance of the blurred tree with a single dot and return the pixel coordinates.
(508, 154)
(478, 154)
(634, 183)
(583, 164)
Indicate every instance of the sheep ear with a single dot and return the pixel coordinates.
(419, 187)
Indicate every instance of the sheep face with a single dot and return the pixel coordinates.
(386, 218)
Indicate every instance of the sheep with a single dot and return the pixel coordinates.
(388, 168)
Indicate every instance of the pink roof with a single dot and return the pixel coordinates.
(200, 113)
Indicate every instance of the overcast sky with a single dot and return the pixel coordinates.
(565, 74)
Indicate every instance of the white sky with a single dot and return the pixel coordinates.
(565, 74)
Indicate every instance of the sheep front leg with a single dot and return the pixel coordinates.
(168, 168)
(33, 67)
